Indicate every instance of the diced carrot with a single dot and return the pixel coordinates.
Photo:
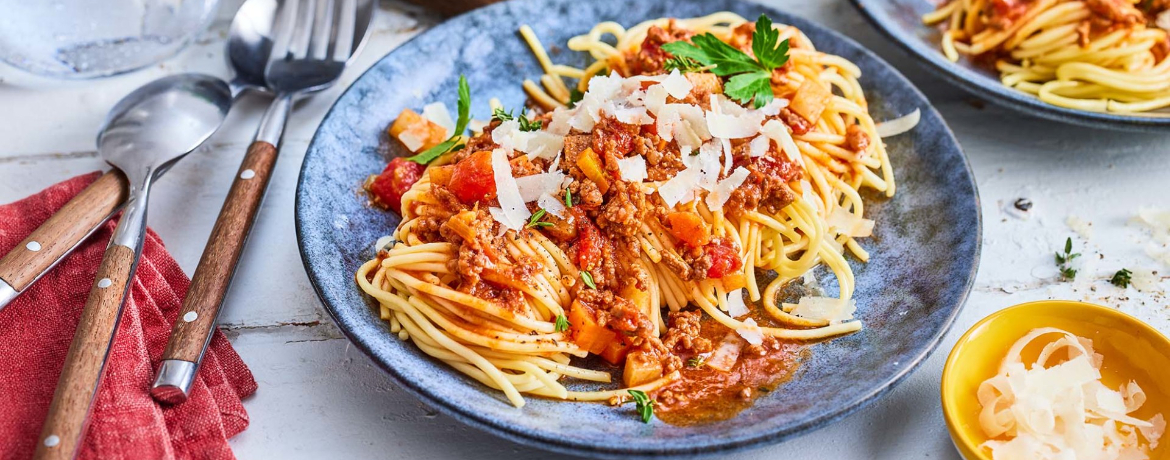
(590, 165)
(640, 368)
(733, 281)
(586, 332)
(688, 228)
(616, 351)
(810, 100)
(415, 132)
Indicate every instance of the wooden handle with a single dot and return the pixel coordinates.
(213, 275)
(82, 372)
(55, 238)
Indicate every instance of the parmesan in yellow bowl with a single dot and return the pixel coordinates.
(1058, 379)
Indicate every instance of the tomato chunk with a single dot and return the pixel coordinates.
(724, 258)
(387, 189)
(588, 240)
(472, 179)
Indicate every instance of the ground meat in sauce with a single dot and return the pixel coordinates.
(682, 334)
(650, 57)
(766, 186)
(1119, 12)
(856, 139)
(794, 121)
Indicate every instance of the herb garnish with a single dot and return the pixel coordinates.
(682, 64)
(588, 279)
(1121, 279)
(643, 404)
(562, 324)
(751, 79)
(449, 145)
(575, 96)
(696, 362)
(1063, 260)
(525, 123)
(535, 221)
(568, 198)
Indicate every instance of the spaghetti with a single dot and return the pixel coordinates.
(1094, 55)
(616, 225)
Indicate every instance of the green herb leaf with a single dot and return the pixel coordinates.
(696, 362)
(562, 324)
(751, 78)
(1062, 261)
(1121, 278)
(575, 96)
(643, 404)
(682, 64)
(449, 145)
(527, 125)
(753, 86)
(588, 279)
(766, 44)
(500, 114)
(568, 198)
(535, 219)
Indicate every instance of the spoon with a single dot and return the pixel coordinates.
(147, 131)
(304, 45)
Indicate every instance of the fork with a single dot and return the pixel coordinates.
(312, 42)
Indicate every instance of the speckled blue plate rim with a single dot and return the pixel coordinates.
(985, 85)
(504, 430)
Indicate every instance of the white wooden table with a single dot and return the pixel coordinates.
(320, 398)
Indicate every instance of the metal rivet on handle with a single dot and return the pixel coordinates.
(247, 174)
(105, 283)
(33, 246)
(52, 441)
(190, 316)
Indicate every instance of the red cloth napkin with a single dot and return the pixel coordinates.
(125, 423)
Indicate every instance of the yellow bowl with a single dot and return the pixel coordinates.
(1132, 350)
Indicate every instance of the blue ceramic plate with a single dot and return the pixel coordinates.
(924, 253)
(901, 21)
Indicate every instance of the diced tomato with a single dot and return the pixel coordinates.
(588, 240)
(388, 188)
(724, 258)
(612, 137)
(472, 179)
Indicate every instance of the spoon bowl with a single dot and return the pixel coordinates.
(162, 121)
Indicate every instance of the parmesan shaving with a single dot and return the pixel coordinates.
(677, 85)
(512, 212)
(553, 205)
(633, 169)
(437, 113)
(726, 354)
(734, 126)
(411, 140)
(532, 187)
(778, 132)
(849, 224)
(759, 146)
(735, 304)
(680, 188)
(898, 125)
(1055, 409)
(723, 190)
(825, 308)
(751, 332)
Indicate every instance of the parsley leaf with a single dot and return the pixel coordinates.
(1063, 261)
(588, 279)
(643, 404)
(562, 324)
(696, 362)
(575, 96)
(1121, 279)
(429, 155)
(535, 221)
(751, 78)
